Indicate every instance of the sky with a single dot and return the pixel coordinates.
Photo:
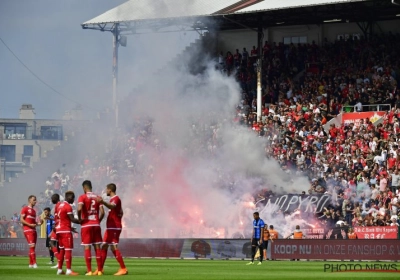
(46, 35)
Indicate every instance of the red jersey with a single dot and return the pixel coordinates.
(56, 218)
(90, 209)
(64, 223)
(114, 219)
(29, 215)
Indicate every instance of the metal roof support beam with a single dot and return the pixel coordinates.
(364, 28)
(240, 24)
(367, 28)
(116, 33)
(260, 38)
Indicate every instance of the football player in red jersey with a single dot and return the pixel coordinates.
(28, 220)
(90, 213)
(64, 233)
(114, 227)
(55, 199)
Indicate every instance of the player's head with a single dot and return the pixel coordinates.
(32, 200)
(111, 189)
(69, 197)
(55, 198)
(297, 227)
(256, 215)
(271, 227)
(46, 211)
(87, 186)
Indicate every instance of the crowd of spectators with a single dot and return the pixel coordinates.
(357, 163)
(304, 86)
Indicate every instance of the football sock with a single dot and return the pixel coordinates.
(88, 259)
(32, 255)
(119, 258)
(61, 258)
(253, 253)
(99, 260)
(103, 256)
(55, 252)
(68, 258)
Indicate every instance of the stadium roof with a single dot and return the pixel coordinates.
(234, 14)
(284, 4)
(138, 10)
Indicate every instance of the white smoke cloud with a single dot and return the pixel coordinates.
(200, 188)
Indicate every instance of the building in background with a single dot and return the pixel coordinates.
(26, 140)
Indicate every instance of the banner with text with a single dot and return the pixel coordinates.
(290, 202)
(388, 232)
(349, 249)
(357, 118)
(379, 249)
(146, 248)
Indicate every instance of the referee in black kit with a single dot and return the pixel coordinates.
(257, 237)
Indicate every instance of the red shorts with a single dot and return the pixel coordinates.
(53, 236)
(91, 235)
(111, 236)
(31, 237)
(65, 240)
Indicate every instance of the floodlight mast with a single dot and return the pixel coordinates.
(115, 32)
(129, 28)
(115, 29)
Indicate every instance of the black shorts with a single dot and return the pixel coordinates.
(254, 242)
(48, 242)
(264, 245)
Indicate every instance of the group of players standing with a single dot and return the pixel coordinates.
(89, 215)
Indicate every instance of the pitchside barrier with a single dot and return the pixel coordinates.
(281, 249)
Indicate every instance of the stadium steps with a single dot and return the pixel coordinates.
(193, 48)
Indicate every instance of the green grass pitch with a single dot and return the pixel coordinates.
(17, 268)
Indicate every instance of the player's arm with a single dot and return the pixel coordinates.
(79, 211)
(25, 223)
(106, 204)
(101, 216)
(261, 235)
(73, 219)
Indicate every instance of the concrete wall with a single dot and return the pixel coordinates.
(312, 32)
(332, 30)
(237, 39)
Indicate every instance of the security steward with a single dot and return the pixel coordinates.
(297, 234)
(351, 234)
